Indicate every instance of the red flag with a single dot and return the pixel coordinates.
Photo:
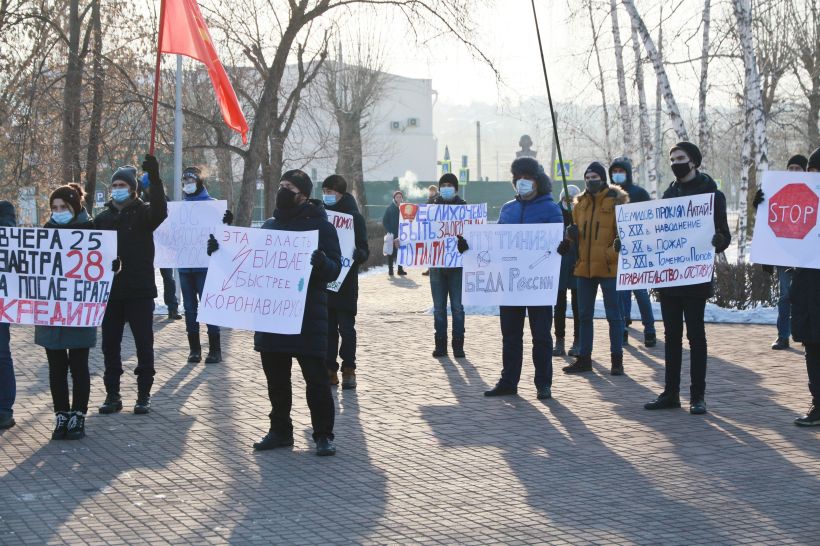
(183, 31)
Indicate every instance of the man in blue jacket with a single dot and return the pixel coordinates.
(8, 387)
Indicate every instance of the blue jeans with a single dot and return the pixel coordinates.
(444, 282)
(587, 290)
(644, 304)
(512, 333)
(8, 387)
(192, 283)
(169, 290)
(784, 304)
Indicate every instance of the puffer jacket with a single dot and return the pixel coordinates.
(540, 210)
(805, 290)
(347, 298)
(312, 341)
(390, 220)
(597, 230)
(64, 337)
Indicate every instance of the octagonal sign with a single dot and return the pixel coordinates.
(793, 211)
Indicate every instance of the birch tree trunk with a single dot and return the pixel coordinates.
(626, 118)
(655, 192)
(703, 130)
(660, 71)
(649, 172)
(743, 190)
(95, 126)
(72, 89)
(602, 84)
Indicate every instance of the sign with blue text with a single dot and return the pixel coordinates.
(427, 233)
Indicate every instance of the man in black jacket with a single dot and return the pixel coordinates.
(688, 303)
(133, 290)
(8, 387)
(342, 305)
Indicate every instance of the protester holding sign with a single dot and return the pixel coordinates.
(567, 282)
(8, 386)
(342, 305)
(192, 280)
(595, 232)
(133, 290)
(67, 347)
(687, 303)
(390, 221)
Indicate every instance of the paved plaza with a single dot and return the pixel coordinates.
(422, 457)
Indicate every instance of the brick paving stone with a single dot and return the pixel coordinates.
(423, 456)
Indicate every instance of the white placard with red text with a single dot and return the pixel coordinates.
(347, 242)
(428, 233)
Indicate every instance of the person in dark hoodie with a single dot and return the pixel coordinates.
(133, 290)
(192, 280)
(533, 204)
(445, 282)
(343, 305)
(390, 221)
(66, 347)
(620, 172)
(567, 283)
(295, 211)
(687, 304)
(8, 386)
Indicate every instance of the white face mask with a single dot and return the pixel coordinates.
(189, 188)
(524, 186)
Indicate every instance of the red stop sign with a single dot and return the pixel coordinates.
(793, 211)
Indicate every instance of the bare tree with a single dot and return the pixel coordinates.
(703, 129)
(98, 90)
(626, 117)
(804, 17)
(601, 82)
(649, 171)
(658, 110)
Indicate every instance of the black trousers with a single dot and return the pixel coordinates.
(139, 314)
(561, 314)
(319, 397)
(677, 311)
(813, 367)
(341, 324)
(512, 335)
(60, 361)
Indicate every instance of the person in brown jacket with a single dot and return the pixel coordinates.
(595, 232)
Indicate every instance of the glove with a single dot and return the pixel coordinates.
(759, 198)
(116, 266)
(151, 166)
(572, 232)
(227, 218)
(719, 240)
(616, 244)
(213, 245)
(563, 247)
(318, 259)
(359, 256)
(462, 245)
(768, 269)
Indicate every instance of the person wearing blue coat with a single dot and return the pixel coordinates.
(8, 386)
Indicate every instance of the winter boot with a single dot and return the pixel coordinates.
(348, 378)
(61, 426)
(558, 350)
(112, 404)
(573, 350)
(76, 426)
(214, 349)
(663, 401)
(458, 348)
(781, 344)
(401, 271)
(626, 337)
(650, 340)
(617, 364)
(441, 347)
(333, 375)
(196, 348)
(173, 314)
(390, 270)
(811, 419)
(325, 447)
(582, 364)
(6, 421)
(272, 440)
(143, 404)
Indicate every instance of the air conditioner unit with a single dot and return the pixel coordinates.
(413, 122)
(395, 125)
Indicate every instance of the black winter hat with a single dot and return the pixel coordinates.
(814, 160)
(301, 180)
(690, 150)
(73, 194)
(596, 168)
(335, 182)
(448, 178)
(799, 160)
(527, 166)
(128, 174)
(625, 163)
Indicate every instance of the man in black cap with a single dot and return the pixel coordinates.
(688, 303)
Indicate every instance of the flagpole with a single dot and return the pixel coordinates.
(178, 120)
(156, 79)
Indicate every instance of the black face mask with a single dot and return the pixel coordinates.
(680, 170)
(594, 186)
(285, 199)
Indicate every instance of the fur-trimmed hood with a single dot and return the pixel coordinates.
(614, 191)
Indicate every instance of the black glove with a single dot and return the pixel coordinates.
(563, 247)
(318, 259)
(572, 232)
(116, 265)
(227, 218)
(359, 255)
(768, 269)
(616, 244)
(213, 245)
(759, 198)
(151, 166)
(719, 240)
(461, 244)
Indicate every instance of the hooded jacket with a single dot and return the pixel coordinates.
(312, 341)
(64, 337)
(636, 193)
(346, 299)
(540, 210)
(702, 183)
(594, 214)
(390, 220)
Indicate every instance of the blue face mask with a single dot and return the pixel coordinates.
(120, 194)
(63, 217)
(524, 186)
(447, 193)
(619, 178)
(329, 199)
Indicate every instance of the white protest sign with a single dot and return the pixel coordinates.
(786, 230)
(181, 239)
(55, 277)
(427, 233)
(511, 264)
(347, 241)
(666, 242)
(258, 280)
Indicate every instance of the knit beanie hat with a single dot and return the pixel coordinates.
(596, 168)
(799, 160)
(448, 178)
(72, 194)
(814, 160)
(692, 151)
(128, 174)
(335, 182)
(301, 180)
(397, 192)
(193, 172)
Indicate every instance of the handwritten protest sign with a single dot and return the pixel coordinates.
(258, 280)
(180, 240)
(666, 242)
(786, 228)
(515, 265)
(347, 241)
(55, 277)
(427, 233)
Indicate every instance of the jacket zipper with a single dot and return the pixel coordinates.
(589, 240)
(597, 229)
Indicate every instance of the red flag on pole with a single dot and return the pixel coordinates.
(183, 31)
